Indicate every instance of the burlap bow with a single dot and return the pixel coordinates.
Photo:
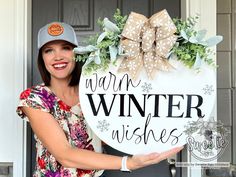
(147, 43)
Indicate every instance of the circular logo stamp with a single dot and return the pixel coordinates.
(206, 139)
(55, 29)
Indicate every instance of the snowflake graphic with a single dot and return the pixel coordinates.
(148, 35)
(132, 65)
(139, 24)
(161, 46)
(208, 89)
(169, 26)
(146, 87)
(103, 125)
(130, 31)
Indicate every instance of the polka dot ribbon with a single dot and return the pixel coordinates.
(147, 43)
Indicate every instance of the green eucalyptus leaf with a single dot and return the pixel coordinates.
(101, 37)
(109, 26)
(93, 57)
(113, 53)
(184, 34)
(214, 41)
(201, 34)
(197, 62)
(84, 50)
(193, 39)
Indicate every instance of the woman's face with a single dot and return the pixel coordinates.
(58, 59)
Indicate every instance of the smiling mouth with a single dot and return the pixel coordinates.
(59, 66)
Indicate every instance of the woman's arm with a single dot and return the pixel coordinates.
(53, 138)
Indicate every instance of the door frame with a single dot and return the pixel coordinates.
(24, 8)
(192, 8)
(22, 17)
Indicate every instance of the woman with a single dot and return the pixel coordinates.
(65, 145)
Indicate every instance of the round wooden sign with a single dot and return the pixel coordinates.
(147, 115)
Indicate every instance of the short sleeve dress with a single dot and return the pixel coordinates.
(73, 124)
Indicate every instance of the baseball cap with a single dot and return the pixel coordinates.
(56, 31)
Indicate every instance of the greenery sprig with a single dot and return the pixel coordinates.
(200, 127)
(110, 37)
(190, 47)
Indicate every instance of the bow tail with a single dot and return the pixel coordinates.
(132, 65)
(149, 64)
(131, 48)
(163, 47)
(162, 64)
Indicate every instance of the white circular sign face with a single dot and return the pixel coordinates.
(144, 115)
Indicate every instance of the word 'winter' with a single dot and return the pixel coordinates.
(127, 102)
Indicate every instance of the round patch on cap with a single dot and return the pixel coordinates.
(55, 29)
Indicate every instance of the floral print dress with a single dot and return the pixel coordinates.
(71, 121)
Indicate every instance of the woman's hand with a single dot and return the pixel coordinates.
(139, 161)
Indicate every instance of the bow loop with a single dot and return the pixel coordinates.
(148, 39)
(147, 43)
(131, 48)
(133, 26)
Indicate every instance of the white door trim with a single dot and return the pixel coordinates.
(207, 21)
(22, 62)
